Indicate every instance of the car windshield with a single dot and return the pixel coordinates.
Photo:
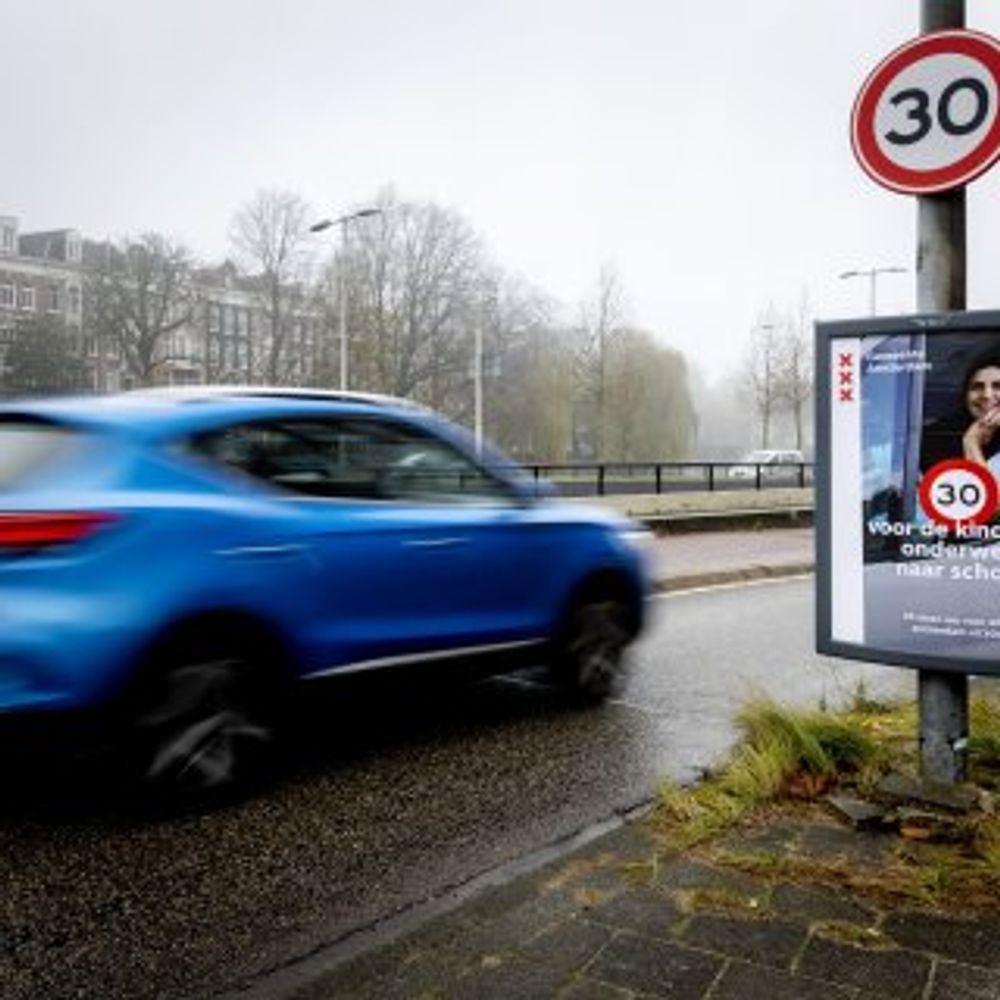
(29, 447)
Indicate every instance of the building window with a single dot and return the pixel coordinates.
(7, 296)
(26, 298)
(55, 299)
(6, 239)
(73, 248)
(74, 300)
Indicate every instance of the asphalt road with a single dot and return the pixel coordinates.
(390, 798)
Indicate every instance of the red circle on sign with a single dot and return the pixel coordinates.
(937, 475)
(980, 47)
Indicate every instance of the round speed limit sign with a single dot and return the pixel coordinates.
(928, 117)
(958, 492)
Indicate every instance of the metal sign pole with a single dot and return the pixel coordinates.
(943, 696)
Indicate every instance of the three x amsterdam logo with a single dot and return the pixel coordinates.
(845, 377)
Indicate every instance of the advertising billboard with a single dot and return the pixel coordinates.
(907, 521)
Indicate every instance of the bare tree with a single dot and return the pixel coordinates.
(762, 364)
(601, 321)
(415, 280)
(529, 376)
(271, 238)
(796, 367)
(137, 294)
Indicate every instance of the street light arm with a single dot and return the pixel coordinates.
(873, 270)
(361, 213)
(872, 274)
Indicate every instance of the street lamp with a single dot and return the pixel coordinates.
(872, 275)
(343, 222)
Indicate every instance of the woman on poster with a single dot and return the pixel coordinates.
(974, 432)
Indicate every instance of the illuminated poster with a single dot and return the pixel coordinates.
(908, 450)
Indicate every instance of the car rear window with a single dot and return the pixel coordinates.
(29, 447)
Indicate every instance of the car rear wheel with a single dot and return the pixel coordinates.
(591, 655)
(203, 724)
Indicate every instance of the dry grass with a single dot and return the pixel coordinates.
(781, 754)
(786, 760)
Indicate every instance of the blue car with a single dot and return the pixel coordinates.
(174, 565)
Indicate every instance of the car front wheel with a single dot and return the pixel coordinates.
(591, 655)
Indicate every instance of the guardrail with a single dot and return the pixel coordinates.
(606, 478)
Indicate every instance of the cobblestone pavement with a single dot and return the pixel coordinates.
(616, 920)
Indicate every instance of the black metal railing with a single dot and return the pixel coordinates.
(609, 478)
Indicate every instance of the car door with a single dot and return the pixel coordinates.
(417, 549)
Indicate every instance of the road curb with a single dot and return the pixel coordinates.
(692, 581)
(738, 520)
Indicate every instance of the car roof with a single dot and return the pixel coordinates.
(206, 393)
(162, 412)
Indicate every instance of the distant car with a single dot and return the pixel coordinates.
(172, 564)
(770, 461)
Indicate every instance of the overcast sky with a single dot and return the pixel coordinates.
(702, 148)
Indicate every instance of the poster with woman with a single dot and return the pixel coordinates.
(908, 417)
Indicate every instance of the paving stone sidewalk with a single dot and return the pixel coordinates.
(613, 920)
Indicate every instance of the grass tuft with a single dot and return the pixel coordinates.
(781, 752)
(984, 740)
(785, 756)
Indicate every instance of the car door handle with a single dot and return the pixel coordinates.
(434, 543)
(262, 551)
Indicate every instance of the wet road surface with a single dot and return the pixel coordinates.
(390, 797)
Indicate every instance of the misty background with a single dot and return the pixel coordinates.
(652, 202)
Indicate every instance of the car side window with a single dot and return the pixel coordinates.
(408, 463)
(269, 452)
(351, 458)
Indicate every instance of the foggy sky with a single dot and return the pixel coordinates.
(701, 148)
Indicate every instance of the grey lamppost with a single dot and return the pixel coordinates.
(343, 221)
(872, 274)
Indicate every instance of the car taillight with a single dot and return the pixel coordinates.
(39, 531)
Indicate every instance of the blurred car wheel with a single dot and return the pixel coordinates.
(202, 724)
(591, 661)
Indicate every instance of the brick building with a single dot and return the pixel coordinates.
(227, 340)
(40, 274)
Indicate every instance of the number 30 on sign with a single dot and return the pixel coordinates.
(928, 117)
(958, 492)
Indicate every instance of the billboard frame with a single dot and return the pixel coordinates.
(827, 332)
